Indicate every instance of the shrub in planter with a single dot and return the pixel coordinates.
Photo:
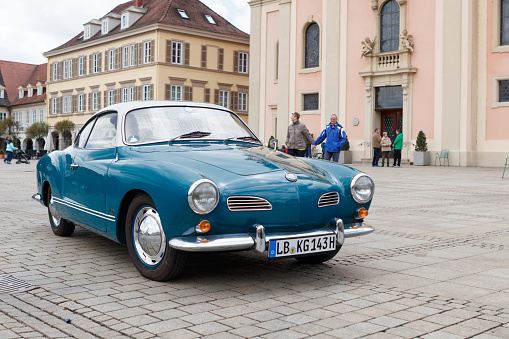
(345, 157)
(421, 154)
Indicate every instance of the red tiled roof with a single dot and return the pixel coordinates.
(165, 12)
(30, 100)
(40, 74)
(15, 74)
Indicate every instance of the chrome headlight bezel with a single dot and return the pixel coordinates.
(191, 196)
(354, 189)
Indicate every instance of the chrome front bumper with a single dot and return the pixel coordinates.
(38, 197)
(258, 243)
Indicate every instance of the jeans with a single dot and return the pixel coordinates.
(308, 153)
(385, 155)
(397, 157)
(9, 156)
(376, 156)
(296, 152)
(329, 155)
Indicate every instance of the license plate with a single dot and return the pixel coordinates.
(306, 245)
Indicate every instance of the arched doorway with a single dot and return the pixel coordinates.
(67, 136)
(29, 144)
(41, 142)
(56, 140)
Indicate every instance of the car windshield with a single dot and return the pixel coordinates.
(158, 124)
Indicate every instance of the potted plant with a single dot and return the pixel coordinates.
(3, 155)
(345, 156)
(421, 154)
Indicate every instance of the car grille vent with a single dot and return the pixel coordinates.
(328, 199)
(242, 203)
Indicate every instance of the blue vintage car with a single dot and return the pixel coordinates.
(169, 178)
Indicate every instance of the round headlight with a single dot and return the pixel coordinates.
(203, 196)
(362, 188)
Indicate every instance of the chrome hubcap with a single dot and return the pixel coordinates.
(54, 214)
(149, 239)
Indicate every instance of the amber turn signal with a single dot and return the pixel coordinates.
(361, 213)
(203, 227)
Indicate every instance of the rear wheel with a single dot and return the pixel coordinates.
(147, 244)
(59, 226)
(319, 258)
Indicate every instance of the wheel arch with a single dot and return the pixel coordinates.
(122, 213)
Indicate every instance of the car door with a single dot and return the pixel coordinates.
(88, 165)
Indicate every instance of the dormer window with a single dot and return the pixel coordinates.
(104, 27)
(210, 19)
(183, 14)
(21, 94)
(1, 93)
(29, 92)
(87, 32)
(39, 90)
(124, 21)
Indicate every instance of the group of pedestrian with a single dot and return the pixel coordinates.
(384, 146)
(9, 149)
(299, 141)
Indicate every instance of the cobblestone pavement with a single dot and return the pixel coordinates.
(436, 267)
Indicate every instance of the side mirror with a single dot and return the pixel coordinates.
(273, 144)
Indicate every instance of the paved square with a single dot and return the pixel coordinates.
(436, 267)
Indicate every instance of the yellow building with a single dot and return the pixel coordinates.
(148, 50)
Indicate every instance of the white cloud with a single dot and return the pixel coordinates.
(29, 28)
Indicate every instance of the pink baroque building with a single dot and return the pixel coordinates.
(440, 66)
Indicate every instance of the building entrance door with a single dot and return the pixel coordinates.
(391, 120)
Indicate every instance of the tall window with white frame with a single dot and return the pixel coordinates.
(66, 69)
(95, 63)
(131, 93)
(312, 46)
(41, 115)
(125, 94)
(54, 106)
(70, 68)
(55, 71)
(111, 57)
(34, 115)
(124, 21)
(243, 62)
(125, 56)
(104, 27)
(64, 104)
(176, 52)
(146, 52)
(80, 102)
(176, 92)
(27, 121)
(111, 97)
(504, 22)
(81, 65)
(133, 55)
(146, 92)
(223, 98)
(389, 27)
(242, 102)
(95, 101)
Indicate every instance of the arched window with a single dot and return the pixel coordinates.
(504, 22)
(312, 51)
(389, 27)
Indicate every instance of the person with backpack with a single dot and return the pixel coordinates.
(9, 150)
(335, 137)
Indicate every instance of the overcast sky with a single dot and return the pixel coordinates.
(29, 28)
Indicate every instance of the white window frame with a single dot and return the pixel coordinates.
(125, 94)
(66, 69)
(27, 120)
(21, 94)
(54, 108)
(39, 90)
(64, 104)
(146, 92)
(243, 62)
(111, 97)
(210, 19)
(29, 92)
(125, 56)
(104, 27)
(124, 21)
(34, 115)
(41, 115)
(70, 69)
(176, 52)
(183, 14)
(81, 98)
(1, 93)
(81, 65)
(87, 32)
(242, 106)
(223, 98)
(111, 54)
(132, 50)
(95, 101)
(146, 52)
(55, 71)
(95, 63)
(131, 93)
(176, 92)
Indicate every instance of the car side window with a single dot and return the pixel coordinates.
(81, 139)
(104, 133)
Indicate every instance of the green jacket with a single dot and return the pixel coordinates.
(398, 142)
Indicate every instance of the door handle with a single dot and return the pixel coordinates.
(74, 166)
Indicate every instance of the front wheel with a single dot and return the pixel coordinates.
(146, 242)
(59, 226)
(319, 258)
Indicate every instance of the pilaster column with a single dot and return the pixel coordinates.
(283, 104)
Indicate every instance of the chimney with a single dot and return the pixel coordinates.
(138, 3)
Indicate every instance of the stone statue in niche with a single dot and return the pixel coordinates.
(405, 43)
(367, 46)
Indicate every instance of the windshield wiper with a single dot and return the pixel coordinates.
(240, 138)
(195, 134)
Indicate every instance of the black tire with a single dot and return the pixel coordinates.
(160, 262)
(319, 258)
(59, 226)
(18, 162)
(27, 162)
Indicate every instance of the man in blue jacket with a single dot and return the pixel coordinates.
(336, 138)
